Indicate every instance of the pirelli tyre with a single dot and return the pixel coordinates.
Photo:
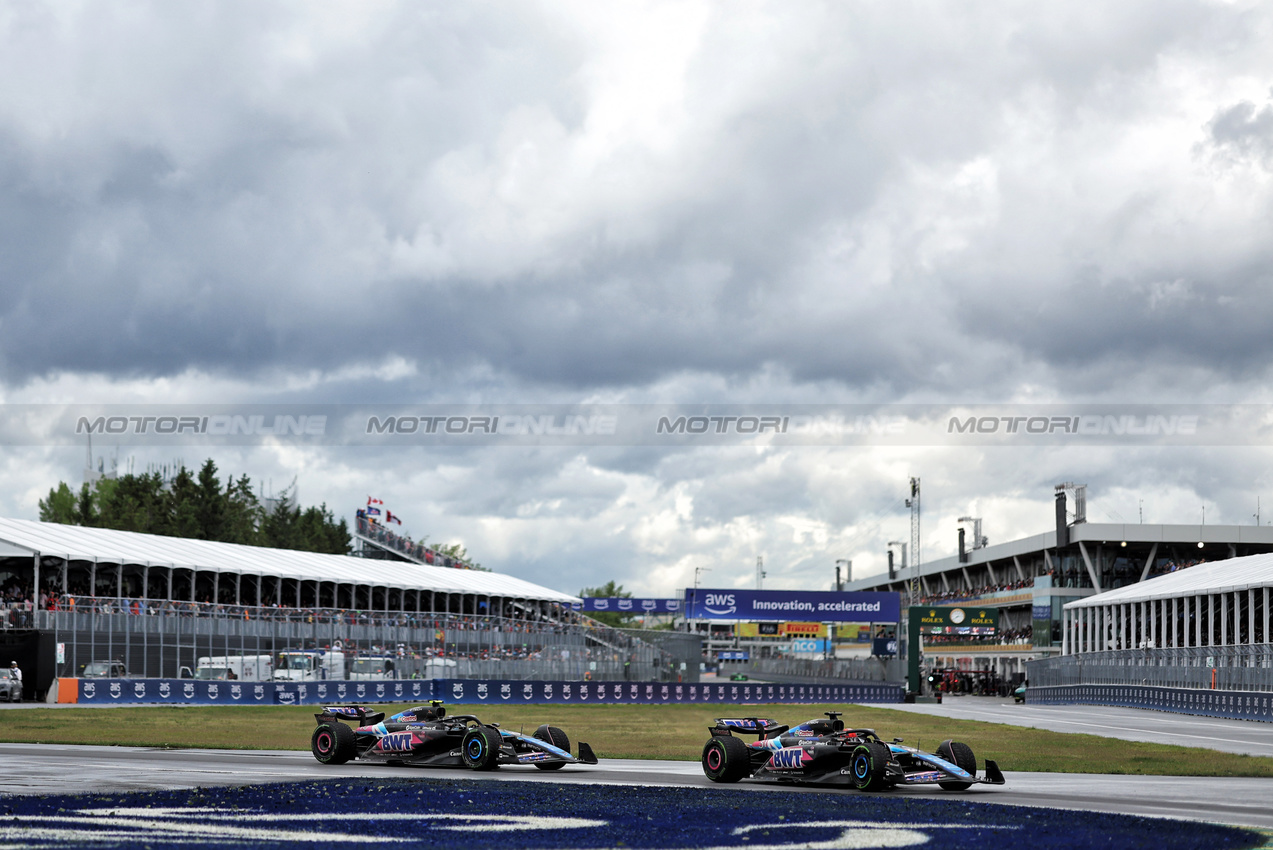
(333, 743)
(480, 748)
(867, 766)
(726, 759)
(961, 756)
(556, 737)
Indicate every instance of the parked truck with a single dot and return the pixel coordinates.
(249, 668)
(368, 667)
(309, 665)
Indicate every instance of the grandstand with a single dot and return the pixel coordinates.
(1034, 581)
(157, 603)
(1204, 627)
(379, 543)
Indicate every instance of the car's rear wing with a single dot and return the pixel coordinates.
(748, 725)
(357, 714)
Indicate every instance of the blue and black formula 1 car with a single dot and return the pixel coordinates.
(823, 752)
(426, 735)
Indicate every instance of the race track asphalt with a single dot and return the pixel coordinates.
(1129, 724)
(58, 769)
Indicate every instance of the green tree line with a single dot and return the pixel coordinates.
(197, 506)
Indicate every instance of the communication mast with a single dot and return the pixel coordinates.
(760, 572)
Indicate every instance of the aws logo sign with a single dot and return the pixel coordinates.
(720, 603)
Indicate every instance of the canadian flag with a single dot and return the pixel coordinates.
(389, 517)
(372, 501)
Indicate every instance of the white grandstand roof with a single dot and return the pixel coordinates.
(1249, 571)
(104, 545)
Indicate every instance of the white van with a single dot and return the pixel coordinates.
(249, 668)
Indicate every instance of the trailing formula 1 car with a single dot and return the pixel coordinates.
(426, 735)
(823, 752)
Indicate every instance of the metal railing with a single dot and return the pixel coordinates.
(1244, 668)
(378, 535)
(157, 638)
(870, 669)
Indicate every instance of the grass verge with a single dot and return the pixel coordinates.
(627, 731)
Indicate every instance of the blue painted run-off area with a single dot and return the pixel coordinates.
(431, 808)
(1238, 705)
(474, 692)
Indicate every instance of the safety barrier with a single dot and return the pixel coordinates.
(1239, 705)
(467, 692)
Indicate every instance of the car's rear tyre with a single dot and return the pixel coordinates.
(867, 766)
(480, 749)
(333, 743)
(726, 759)
(961, 756)
(556, 737)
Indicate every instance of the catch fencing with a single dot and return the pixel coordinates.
(869, 669)
(1246, 668)
(156, 639)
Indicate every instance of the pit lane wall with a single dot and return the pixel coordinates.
(461, 692)
(1238, 705)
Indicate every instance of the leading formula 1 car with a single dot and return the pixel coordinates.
(823, 752)
(426, 735)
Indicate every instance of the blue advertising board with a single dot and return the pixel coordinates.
(884, 646)
(478, 691)
(469, 692)
(812, 605)
(1239, 705)
(626, 605)
(808, 645)
(199, 692)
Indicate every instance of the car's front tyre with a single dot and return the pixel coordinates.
(961, 756)
(556, 737)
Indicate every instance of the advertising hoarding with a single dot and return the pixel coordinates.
(807, 605)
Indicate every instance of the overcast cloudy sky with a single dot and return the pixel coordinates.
(689, 203)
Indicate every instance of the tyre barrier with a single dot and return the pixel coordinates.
(471, 692)
(1237, 705)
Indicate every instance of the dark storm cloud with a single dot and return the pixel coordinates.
(438, 184)
(1245, 130)
(413, 203)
